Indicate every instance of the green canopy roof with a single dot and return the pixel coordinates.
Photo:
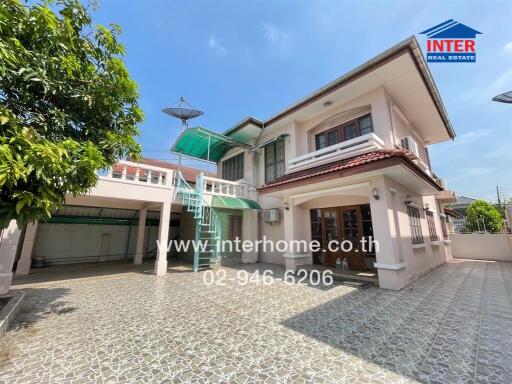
(204, 144)
(234, 203)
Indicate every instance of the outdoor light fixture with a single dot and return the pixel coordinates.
(327, 103)
(408, 200)
(427, 207)
(504, 98)
(375, 193)
(286, 206)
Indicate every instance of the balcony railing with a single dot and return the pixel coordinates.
(223, 187)
(135, 173)
(340, 151)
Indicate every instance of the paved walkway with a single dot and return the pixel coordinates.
(453, 325)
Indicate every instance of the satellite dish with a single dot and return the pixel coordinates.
(183, 111)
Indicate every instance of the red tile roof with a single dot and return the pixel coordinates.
(340, 165)
(190, 174)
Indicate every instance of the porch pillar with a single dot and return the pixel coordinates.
(8, 245)
(163, 236)
(296, 226)
(391, 268)
(250, 232)
(141, 229)
(25, 261)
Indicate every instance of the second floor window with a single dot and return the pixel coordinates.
(346, 131)
(233, 168)
(274, 161)
(431, 226)
(415, 224)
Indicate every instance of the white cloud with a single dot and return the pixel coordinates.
(507, 48)
(214, 44)
(275, 37)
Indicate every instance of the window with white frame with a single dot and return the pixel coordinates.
(415, 224)
(233, 168)
(431, 225)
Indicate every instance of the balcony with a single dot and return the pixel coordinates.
(221, 187)
(340, 151)
(138, 174)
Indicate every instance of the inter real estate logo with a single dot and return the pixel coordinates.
(451, 42)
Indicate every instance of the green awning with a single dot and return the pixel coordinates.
(204, 144)
(234, 203)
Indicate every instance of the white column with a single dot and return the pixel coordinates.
(391, 268)
(296, 222)
(141, 229)
(25, 261)
(163, 235)
(8, 246)
(250, 232)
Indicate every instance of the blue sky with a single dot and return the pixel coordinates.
(237, 58)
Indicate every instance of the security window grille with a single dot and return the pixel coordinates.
(233, 168)
(415, 224)
(235, 227)
(443, 227)
(274, 161)
(431, 226)
(346, 131)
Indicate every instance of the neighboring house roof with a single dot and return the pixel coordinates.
(356, 163)
(453, 213)
(410, 45)
(451, 29)
(190, 174)
(464, 200)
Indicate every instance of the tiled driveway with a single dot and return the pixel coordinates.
(453, 325)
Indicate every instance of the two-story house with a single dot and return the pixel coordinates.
(348, 161)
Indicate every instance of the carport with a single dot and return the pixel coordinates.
(80, 234)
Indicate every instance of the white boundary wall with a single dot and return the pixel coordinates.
(495, 247)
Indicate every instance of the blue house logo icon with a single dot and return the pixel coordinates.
(451, 42)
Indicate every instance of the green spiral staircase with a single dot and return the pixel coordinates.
(208, 226)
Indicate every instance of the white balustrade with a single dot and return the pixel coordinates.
(223, 187)
(137, 173)
(340, 151)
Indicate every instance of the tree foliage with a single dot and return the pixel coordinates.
(484, 216)
(67, 105)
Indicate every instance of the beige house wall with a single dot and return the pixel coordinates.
(482, 246)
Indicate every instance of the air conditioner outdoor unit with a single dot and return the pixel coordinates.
(271, 215)
(410, 144)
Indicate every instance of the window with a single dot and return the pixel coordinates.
(415, 224)
(346, 131)
(365, 125)
(274, 160)
(235, 227)
(233, 168)
(443, 227)
(431, 226)
(349, 131)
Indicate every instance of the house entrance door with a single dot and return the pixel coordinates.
(351, 231)
(343, 224)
